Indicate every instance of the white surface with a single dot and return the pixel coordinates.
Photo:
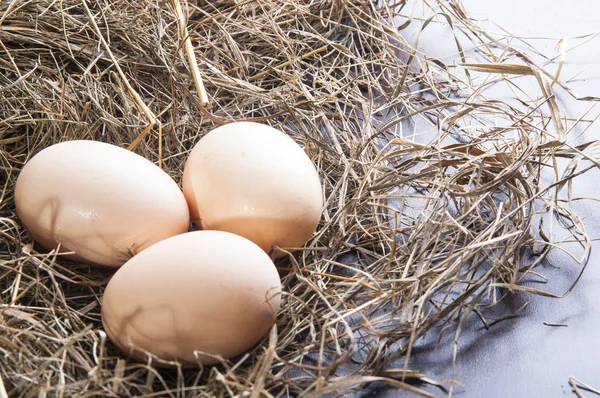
(523, 357)
(538, 18)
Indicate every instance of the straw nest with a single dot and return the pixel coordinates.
(434, 190)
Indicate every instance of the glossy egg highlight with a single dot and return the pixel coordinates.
(193, 298)
(255, 181)
(100, 201)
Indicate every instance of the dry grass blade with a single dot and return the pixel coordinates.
(136, 97)
(512, 69)
(440, 200)
(191, 56)
(578, 385)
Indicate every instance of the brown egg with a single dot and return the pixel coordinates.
(255, 181)
(203, 292)
(100, 201)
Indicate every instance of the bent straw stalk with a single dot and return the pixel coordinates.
(439, 197)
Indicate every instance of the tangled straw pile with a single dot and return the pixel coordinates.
(417, 232)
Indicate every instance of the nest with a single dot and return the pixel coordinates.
(435, 191)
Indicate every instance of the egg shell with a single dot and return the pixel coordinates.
(100, 201)
(211, 292)
(255, 181)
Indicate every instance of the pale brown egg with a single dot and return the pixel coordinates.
(100, 201)
(192, 298)
(255, 181)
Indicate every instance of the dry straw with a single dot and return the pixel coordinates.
(425, 225)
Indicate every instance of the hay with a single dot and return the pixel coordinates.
(423, 227)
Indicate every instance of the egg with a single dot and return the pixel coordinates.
(255, 181)
(192, 298)
(101, 202)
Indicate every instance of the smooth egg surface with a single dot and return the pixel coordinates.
(192, 298)
(101, 202)
(255, 181)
